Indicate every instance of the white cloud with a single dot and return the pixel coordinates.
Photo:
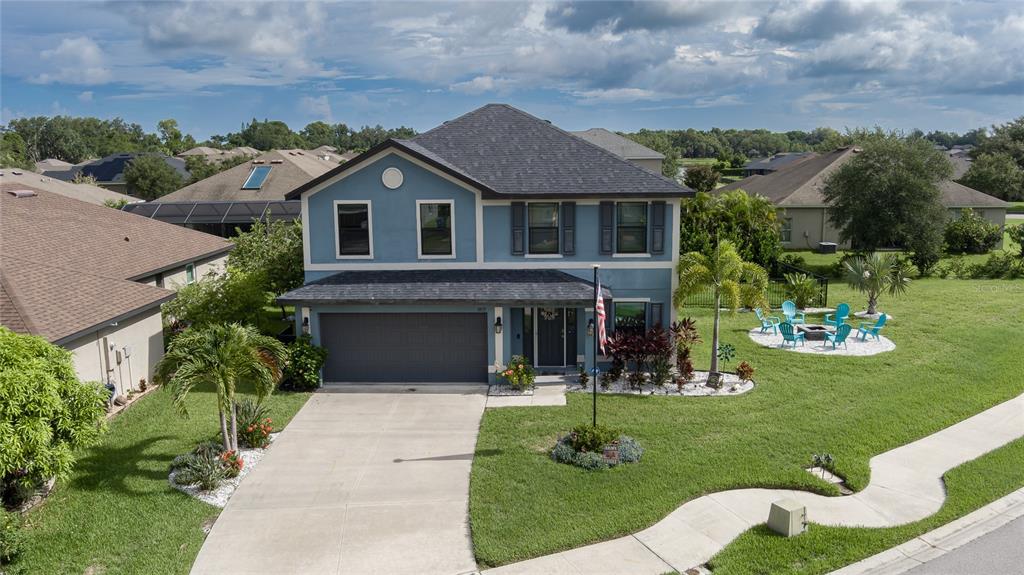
(85, 96)
(77, 60)
(318, 107)
(481, 85)
(617, 95)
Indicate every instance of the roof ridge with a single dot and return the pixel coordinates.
(18, 307)
(78, 271)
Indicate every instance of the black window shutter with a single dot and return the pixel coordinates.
(518, 228)
(607, 228)
(658, 227)
(655, 311)
(568, 228)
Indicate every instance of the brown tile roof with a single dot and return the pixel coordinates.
(801, 185)
(292, 169)
(68, 265)
(85, 192)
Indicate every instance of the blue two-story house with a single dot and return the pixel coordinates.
(441, 257)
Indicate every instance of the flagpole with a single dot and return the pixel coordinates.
(597, 296)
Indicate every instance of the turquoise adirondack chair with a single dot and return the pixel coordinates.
(768, 322)
(837, 319)
(867, 329)
(792, 315)
(842, 332)
(790, 335)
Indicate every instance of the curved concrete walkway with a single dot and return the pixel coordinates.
(906, 486)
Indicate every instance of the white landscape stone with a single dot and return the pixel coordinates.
(854, 345)
(731, 385)
(219, 497)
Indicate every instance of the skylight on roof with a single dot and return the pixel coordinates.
(257, 176)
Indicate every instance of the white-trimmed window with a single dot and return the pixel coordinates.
(190, 274)
(353, 229)
(542, 220)
(631, 227)
(435, 228)
(786, 230)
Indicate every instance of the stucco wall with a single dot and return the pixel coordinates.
(143, 333)
(175, 279)
(810, 226)
(393, 220)
(652, 165)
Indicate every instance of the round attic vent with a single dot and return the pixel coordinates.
(392, 178)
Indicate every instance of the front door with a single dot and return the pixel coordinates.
(550, 323)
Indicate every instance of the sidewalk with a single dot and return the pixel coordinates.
(906, 486)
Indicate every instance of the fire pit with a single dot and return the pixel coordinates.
(814, 332)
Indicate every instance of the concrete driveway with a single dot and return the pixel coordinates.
(358, 483)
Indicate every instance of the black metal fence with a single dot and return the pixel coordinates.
(776, 291)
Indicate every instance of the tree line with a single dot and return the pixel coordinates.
(26, 141)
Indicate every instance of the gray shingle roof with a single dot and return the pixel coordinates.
(446, 286)
(619, 145)
(778, 161)
(515, 153)
(506, 152)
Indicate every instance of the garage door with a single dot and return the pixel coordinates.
(405, 347)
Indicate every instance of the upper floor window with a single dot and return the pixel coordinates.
(543, 224)
(257, 176)
(190, 275)
(354, 234)
(631, 227)
(435, 228)
(786, 230)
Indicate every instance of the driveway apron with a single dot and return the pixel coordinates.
(358, 483)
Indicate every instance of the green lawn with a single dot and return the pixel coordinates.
(823, 549)
(117, 513)
(1016, 208)
(524, 505)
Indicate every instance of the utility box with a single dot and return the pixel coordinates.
(787, 517)
(827, 247)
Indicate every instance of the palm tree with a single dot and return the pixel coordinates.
(222, 356)
(734, 281)
(876, 273)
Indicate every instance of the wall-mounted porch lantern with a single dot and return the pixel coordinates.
(305, 325)
(590, 327)
(497, 325)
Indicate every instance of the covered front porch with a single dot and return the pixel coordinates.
(449, 326)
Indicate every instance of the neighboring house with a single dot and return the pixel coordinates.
(436, 258)
(623, 147)
(109, 171)
(91, 279)
(52, 164)
(84, 192)
(961, 160)
(764, 166)
(797, 193)
(216, 154)
(232, 199)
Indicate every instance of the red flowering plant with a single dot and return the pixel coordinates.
(519, 373)
(254, 427)
(232, 462)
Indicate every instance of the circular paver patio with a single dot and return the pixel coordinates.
(854, 346)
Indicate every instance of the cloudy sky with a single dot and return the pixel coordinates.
(621, 65)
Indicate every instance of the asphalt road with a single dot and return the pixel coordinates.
(1000, 552)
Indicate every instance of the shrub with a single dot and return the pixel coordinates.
(205, 468)
(661, 371)
(12, 538)
(583, 377)
(46, 413)
(802, 289)
(589, 437)
(232, 463)
(232, 297)
(254, 426)
(636, 379)
(794, 260)
(593, 459)
(519, 374)
(302, 372)
(613, 374)
(745, 371)
(1017, 235)
(684, 337)
(971, 234)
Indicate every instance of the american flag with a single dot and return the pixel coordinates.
(602, 337)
